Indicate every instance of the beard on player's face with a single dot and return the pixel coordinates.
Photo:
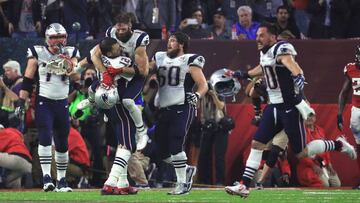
(125, 36)
(172, 53)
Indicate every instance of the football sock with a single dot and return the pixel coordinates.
(179, 161)
(45, 156)
(119, 167)
(252, 165)
(319, 146)
(61, 159)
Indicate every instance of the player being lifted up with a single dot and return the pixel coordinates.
(177, 74)
(133, 44)
(49, 67)
(287, 108)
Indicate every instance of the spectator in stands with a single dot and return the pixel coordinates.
(354, 19)
(265, 10)
(75, 20)
(4, 22)
(329, 18)
(10, 88)
(230, 8)
(301, 16)
(316, 171)
(153, 15)
(24, 18)
(283, 23)
(195, 27)
(220, 30)
(14, 156)
(99, 17)
(246, 28)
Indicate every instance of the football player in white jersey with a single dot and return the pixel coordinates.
(287, 108)
(108, 95)
(50, 67)
(177, 73)
(133, 43)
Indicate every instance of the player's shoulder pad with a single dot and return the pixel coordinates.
(142, 39)
(196, 60)
(349, 67)
(159, 56)
(72, 52)
(34, 50)
(108, 31)
(284, 48)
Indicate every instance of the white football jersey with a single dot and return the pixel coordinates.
(138, 38)
(174, 77)
(50, 85)
(279, 81)
(118, 62)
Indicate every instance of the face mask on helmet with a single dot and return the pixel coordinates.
(224, 86)
(357, 55)
(106, 98)
(55, 35)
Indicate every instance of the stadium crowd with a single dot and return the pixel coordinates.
(92, 146)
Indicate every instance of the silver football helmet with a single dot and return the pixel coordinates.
(223, 85)
(106, 98)
(55, 34)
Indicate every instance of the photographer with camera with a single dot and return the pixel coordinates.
(215, 130)
(88, 120)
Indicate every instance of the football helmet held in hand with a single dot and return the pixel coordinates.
(223, 85)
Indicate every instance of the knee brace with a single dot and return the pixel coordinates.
(273, 156)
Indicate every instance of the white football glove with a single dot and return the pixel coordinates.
(192, 98)
(305, 110)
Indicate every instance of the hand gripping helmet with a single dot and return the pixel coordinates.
(357, 55)
(106, 98)
(55, 34)
(223, 85)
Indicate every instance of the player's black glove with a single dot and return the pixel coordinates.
(20, 108)
(192, 98)
(299, 81)
(340, 122)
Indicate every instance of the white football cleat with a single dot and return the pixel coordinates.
(347, 148)
(239, 189)
(141, 139)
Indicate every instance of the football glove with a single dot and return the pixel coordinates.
(192, 98)
(20, 108)
(340, 122)
(107, 80)
(299, 81)
(114, 71)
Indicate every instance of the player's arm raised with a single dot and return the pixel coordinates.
(96, 59)
(342, 100)
(243, 75)
(142, 60)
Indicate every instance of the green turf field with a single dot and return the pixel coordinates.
(196, 195)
